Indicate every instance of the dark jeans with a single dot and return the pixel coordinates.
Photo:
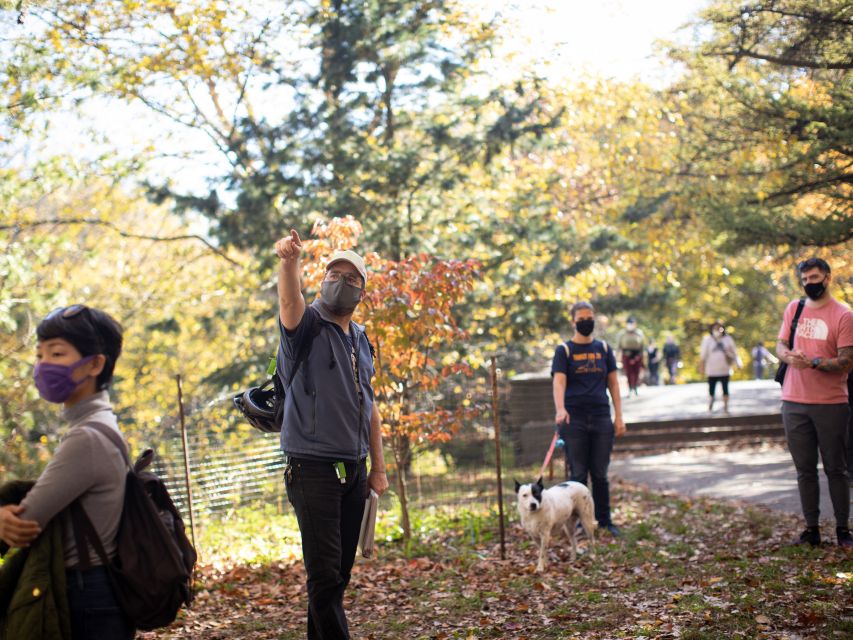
(95, 614)
(813, 428)
(589, 441)
(712, 385)
(329, 515)
(654, 378)
(850, 442)
(672, 368)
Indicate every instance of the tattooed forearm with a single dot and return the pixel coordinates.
(844, 361)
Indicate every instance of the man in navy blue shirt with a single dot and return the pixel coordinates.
(583, 371)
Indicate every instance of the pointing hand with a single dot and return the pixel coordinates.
(289, 248)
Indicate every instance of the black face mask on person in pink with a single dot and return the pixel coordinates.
(815, 290)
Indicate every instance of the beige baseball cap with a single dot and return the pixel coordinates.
(353, 258)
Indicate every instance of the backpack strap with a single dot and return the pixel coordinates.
(302, 353)
(800, 305)
(113, 436)
(569, 352)
(84, 532)
(81, 526)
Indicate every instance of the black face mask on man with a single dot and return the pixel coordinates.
(340, 297)
(585, 326)
(815, 290)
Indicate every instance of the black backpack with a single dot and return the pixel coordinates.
(151, 573)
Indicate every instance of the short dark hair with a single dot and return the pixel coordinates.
(581, 304)
(813, 263)
(91, 331)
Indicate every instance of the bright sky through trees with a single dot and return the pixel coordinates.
(560, 39)
(613, 38)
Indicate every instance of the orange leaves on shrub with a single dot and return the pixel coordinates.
(408, 311)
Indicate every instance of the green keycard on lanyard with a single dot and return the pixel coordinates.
(271, 367)
(341, 472)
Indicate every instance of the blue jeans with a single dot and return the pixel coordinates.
(95, 614)
(329, 515)
(589, 441)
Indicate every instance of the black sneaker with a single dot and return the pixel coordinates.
(811, 535)
(612, 528)
(844, 538)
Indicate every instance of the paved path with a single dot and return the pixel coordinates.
(760, 476)
(765, 477)
(685, 401)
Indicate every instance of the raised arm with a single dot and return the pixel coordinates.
(291, 302)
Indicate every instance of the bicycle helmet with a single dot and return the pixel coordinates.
(261, 406)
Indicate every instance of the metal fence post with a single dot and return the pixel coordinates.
(186, 458)
(496, 421)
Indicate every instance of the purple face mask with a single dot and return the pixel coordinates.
(54, 381)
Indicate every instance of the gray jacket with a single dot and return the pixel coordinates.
(324, 417)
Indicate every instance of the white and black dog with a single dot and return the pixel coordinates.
(544, 511)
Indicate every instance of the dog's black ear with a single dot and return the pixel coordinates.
(517, 486)
(539, 483)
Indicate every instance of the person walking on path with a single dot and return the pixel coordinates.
(330, 425)
(761, 359)
(717, 356)
(815, 409)
(653, 357)
(77, 350)
(672, 358)
(583, 372)
(632, 345)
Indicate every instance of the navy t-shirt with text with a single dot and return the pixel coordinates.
(586, 373)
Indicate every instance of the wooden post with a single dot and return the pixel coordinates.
(496, 421)
(186, 458)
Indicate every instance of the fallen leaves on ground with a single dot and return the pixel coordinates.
(684, 568)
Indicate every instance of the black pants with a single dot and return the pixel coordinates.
(329, 514)
(589, 441)
(95, 614)
(712, 385)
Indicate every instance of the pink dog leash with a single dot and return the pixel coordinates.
(548, 455)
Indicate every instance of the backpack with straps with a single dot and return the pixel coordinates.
(151, 573)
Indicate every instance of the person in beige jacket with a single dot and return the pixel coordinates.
(717, 357)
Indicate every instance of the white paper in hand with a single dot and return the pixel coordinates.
(368, 525)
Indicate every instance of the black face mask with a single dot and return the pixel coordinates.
(815, 290)
(585, 327)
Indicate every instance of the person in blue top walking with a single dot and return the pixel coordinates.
(583, 372)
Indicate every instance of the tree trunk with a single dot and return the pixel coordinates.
(399, 459)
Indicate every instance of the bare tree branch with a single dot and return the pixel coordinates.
(122, 233)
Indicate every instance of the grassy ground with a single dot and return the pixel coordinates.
(683, 569)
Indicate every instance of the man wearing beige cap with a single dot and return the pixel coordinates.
(330, 425)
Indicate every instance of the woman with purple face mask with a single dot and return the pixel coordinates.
(76, 353)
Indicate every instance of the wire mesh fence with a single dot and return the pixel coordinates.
(244, 467)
